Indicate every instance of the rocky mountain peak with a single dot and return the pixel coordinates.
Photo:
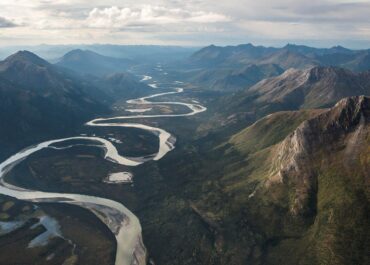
(320, 72)
(348, 111)
(294, 163)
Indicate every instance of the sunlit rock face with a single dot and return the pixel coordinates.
(347, 124)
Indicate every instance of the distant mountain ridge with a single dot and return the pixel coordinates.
(229, 68)
(245, 53)
(89, 62)
(316, 87)
(226, 79)
(289, 56)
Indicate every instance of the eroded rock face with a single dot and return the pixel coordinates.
(310, 88)
(298, 156)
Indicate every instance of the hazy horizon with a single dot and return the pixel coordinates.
(186, 23)
(53, 52)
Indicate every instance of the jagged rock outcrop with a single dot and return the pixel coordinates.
(311, 88)
(345, 126)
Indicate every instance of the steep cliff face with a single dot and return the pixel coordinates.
(343, 129)
(299, 186)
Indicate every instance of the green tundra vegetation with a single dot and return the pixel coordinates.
(268, 175)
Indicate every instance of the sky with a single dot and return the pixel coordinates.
(320, 23)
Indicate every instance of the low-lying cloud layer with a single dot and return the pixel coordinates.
(5, 23)
(115, 17)
(191, 22)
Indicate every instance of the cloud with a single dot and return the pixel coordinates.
(5, 23)
(313, 11)
(147, 15)
(193, 22)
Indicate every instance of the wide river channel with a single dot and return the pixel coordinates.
(120, 220)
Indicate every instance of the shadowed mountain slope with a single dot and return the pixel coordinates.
(39, 99)
(89, 62)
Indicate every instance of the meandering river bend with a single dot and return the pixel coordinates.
(120, 220)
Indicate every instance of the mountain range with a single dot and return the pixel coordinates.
(276, 171)
(47, 99)
(223, 64)
(289, 56)
(316, 87)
